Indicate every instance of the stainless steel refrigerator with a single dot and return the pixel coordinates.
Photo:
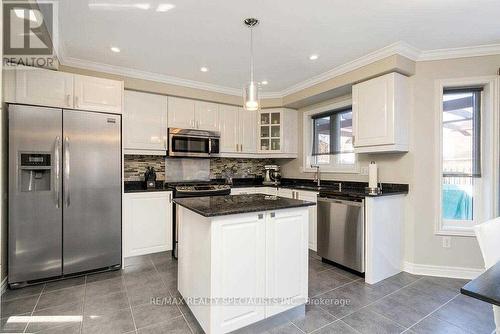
(64, 192)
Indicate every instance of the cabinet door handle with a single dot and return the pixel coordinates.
(236, 147)
(77, 102)
(241, 147)
(273, 214)
(68, 101)
(170, 198)
(261, 216)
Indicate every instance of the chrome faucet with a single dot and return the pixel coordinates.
(317, 176)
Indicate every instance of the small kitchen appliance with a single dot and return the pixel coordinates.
(272, 175)
(150, 177)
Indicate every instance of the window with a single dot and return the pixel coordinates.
(461, 156)
(332, 138)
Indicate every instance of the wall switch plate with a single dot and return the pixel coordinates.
(446, 242)
(364, 170)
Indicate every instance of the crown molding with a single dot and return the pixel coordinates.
(138, 74)
(464, 52)
(399, 48)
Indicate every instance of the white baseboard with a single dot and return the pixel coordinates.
(3, 286)
(441, 271)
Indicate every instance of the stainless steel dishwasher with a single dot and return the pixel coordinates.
(341, 231)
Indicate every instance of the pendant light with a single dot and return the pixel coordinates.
(251, 101)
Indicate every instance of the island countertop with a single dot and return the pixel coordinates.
(235, 204)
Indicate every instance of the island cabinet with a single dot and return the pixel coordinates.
(243, 267)
(380, 114)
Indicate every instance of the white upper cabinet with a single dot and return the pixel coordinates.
(229, 129)
(42, 87)
(248, 131)
(145, 122)
(181, 113)
(36, 86)
(381, 108)
(238, 130)
(98, 94)
(278, 131)
(191, 114)
(206, 116)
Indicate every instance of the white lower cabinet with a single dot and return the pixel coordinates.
(286, 258)
(239, 246)
(147, 223)
(311, 196)
(244, 191)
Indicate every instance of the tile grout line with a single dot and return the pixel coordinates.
(373, 302)
(128, 300)
(432, 312)
(34, 308)
(83, 304)
(340, 286)
(300, 330)
(172, 296)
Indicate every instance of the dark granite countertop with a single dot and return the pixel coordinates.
(349, 188)
(236, 204)
(140, 187)
(485, 287)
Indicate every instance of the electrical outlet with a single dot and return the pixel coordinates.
(446, 242)
(364, 170)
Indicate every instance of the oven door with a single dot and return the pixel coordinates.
(188, 146)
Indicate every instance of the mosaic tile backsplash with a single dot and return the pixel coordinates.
(238, 167)
(135, 166)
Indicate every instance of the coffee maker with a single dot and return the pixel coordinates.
(272, 176)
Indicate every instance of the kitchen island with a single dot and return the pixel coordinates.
(242, 258)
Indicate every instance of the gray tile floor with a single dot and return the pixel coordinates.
(121, 302)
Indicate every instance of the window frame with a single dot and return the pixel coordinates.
(308, 133)
(486, 187)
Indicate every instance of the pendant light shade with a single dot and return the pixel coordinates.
(251, 96)
(251, 100)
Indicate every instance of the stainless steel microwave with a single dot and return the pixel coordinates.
(192, 143)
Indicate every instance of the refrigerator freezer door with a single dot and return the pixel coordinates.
(92, 191)
(35, 214)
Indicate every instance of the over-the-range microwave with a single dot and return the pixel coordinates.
(193, 143)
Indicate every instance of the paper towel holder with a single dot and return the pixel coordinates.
(373, 191)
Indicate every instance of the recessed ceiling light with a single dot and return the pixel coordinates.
(165, 7)
(115, 49)
(204, 69)
(313, 57)
(118, 6)
(264, 82)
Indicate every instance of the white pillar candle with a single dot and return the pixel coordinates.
(372, 175)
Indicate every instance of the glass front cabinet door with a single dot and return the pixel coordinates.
(270, 131)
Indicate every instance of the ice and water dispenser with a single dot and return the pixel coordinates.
(35, 171)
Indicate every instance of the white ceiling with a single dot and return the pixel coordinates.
(210, 33)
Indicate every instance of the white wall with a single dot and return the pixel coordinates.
(416, 167)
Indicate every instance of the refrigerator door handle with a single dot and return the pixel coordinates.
(57, 171)
(66, 171)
